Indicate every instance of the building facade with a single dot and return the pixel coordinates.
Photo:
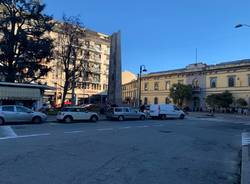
(205, 79)
(92, 84)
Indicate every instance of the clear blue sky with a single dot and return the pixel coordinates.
(163, 34)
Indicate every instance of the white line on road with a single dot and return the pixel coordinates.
(245, 138)
(24, 136)
(105, 129)
(158, 125)
(7, 131)
(144, 126)
(74, 132)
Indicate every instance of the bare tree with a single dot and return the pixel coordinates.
(70, 33)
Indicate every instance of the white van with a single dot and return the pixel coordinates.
(163, 111)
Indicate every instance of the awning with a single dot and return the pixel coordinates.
(19, 93)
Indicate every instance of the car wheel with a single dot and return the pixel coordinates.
(121, 118)
(142, 118)
(94, 118)
(1, 121)
(182, 116)
(37, 120)
(68, 119)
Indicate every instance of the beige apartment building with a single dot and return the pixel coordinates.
(92, 84)
(206, 79)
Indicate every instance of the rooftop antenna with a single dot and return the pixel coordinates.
(196, 55)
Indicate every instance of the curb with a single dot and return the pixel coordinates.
(245, 161)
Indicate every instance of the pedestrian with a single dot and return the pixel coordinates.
(142, 108)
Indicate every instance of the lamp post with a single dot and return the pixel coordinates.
(142, 69)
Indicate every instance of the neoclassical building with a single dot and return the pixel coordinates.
(206, 79)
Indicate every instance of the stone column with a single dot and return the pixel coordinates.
(114, 85)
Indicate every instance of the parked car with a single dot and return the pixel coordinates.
(70, 114)
(16, 113)
(163, 111)
(122, 113)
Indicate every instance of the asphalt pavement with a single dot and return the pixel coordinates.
(190, 151)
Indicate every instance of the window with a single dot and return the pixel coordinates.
(195, 83)
(231, 81)
(87, 43)
(127, 110)
(8, 108)
(156, 86)
(156, 100)
(118, 109)
(167, 85)
(213, 82)
(176, 108)
(145, 100)
(145, 86)
(167, 100)
(249, 80)
(22, 109)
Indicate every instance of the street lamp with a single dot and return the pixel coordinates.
(142, 69)
(241, 25)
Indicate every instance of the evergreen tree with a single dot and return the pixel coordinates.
(25, 46)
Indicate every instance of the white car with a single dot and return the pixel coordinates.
(16, 113)
(70, 114)
(163, 111)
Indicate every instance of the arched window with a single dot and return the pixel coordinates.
(231, 81)
(213, 82)
(145, 100)
(195, 83)
(167, 100)
(156, 100)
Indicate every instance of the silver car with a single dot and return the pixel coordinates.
(122, 113)
(15, 113)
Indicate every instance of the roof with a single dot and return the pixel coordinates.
(237, 62)
(168, 71)
(45, 87)
(219, 65)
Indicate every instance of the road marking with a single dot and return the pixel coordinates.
(24, 136)
(143, 126)
(7, 131)
(125, 127)
(105, 129)
(245, 138)
(158, 125)
(74, 132)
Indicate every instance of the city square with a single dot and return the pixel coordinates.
(124, 92)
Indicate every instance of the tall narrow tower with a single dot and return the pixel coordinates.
(114, 85)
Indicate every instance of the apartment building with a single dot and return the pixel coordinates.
(92, 83)
(206, 79)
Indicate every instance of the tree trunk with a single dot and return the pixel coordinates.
(65, 91)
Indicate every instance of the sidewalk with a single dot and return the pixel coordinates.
(219, 115)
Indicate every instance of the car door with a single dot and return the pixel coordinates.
(176, 112)
(83, 114)
(127, 113)
(9, 113)
(135, 114)
(24, 114)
